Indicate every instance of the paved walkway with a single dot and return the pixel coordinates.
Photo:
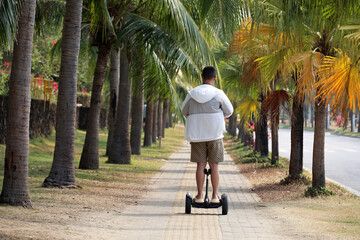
(161, 213)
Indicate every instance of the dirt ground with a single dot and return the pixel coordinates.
(80, 213)
(335, 217)
(61, 213)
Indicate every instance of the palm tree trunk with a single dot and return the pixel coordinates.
(160, 118)
(275, 138)
(352, 121)
(165, 116)
(114, 93)
(137, 110)
(170, 118)
(15, 190)
(155, 121)
(297, 138)
(62, 172)
(121, 150)
(318, 170)
(262, 143)
(90, 154)
(148, 120)
(241, 133)
(232, 125)
(244, 135)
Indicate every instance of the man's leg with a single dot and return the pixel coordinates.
(214, 178)
(200, 178)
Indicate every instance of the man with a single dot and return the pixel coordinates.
(205, 108)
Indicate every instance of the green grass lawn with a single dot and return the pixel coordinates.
(149, 162)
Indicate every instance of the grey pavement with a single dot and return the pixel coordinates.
(161, 213)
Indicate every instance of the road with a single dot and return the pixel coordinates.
(342, 157)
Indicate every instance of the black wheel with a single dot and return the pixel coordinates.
(188, 204)
(225, 204)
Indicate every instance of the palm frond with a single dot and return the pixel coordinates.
(49, 15)
(176, 21)
(339, 83)
(143, 32)
(274, 100)
(8, 21)
(157, 79)
(248, 108)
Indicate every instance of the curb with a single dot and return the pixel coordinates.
(345, 135)
(353, 191)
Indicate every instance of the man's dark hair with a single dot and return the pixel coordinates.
(208, 73)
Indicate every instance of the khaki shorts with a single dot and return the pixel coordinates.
(212, 151)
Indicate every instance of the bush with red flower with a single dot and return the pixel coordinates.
(5, 70)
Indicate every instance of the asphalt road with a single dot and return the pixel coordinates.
(342, 157)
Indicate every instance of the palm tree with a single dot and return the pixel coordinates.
(15, 189)
(137, 109)
(148, 131)
(90, 154)
(272, 103)
(104, 19)
(120, 147)
(166, 115)
(62, 172)
(114, 93)
(155, 120)
(160, 118)
(284, 38)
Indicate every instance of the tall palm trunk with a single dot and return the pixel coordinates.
(90, 154)
(323, 44)
(148, 120)
(275, 137)
(121, 150)
(155, 121)
(262, 144)
(114, 93)
(170, 118)
(232, 125)
(15, 190)
(160, 118)
(318, 170)
(62, 172)
(297, 138)
(166, 115)
(244, 135)
(352, 121)
(137, 110)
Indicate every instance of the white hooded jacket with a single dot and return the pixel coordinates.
(205, 108)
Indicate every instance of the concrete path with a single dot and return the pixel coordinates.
(161, 213)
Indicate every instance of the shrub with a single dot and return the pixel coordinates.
(302, 179)
(318, 191)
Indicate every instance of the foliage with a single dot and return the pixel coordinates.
(83, 98)
(5, 70)
(318, 191)
(302, 179)
(8, 17)
(40, 62)
(339, 82)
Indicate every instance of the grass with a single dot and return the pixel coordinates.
(323, 216)
(347, 132)
(110, 176)
(106, 190)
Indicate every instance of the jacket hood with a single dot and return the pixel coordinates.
(203, 93)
